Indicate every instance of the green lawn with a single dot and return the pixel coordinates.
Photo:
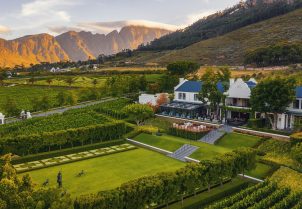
(107, 172)
(206, 151)
(261, 171)
(235, 140)
(172, 143)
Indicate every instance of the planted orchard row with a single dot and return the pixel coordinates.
(57, 122)
(260, 196)
(55, 140)
(164, 188)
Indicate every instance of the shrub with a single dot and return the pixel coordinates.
(256, 123)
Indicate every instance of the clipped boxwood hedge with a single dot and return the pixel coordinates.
(57, 153)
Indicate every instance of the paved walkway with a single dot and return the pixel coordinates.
(61, 110)
(216, 134)
(183, 152)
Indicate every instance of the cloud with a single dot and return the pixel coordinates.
(47, 9)
(191, 18)
(4, 29)
(107, 27)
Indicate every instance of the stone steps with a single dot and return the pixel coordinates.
(184, 151)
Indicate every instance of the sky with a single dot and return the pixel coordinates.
(25, 17)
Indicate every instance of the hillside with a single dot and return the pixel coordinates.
(31, 49)
(82, 45)
(231, 48)
(222, 22)
(73, 46)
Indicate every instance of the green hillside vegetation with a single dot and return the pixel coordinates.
(230, 48)
(222, 22)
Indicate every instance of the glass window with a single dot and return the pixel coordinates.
(184, 96)
(179, 95)
(196, 97)
(297, 104)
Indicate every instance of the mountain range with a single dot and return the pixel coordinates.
(73, 45)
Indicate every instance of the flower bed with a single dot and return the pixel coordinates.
(189, 130)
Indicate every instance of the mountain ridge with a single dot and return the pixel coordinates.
(71, 45)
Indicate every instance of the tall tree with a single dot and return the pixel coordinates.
(138, 112)
(10, 107)
(182, 67)
(210, 94)
(272, 97)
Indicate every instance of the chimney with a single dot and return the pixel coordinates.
(181, 80)
(232, 80)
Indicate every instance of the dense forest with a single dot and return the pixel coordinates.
(222, 22)
(278, 54)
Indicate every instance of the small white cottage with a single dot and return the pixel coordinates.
(2, 118)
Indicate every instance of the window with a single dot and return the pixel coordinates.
(196, 97)
(182, 96)
(179, 95)
(297, 104)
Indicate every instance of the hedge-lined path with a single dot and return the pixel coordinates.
(62, 109)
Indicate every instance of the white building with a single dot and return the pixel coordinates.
(150, 98)
(237, 101)
(186, 103)
(237, 111)
(2, 119)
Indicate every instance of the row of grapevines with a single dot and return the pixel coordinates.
(288, 202)
(272, 199)
(256, 196)
(52, 123)
(239, 196)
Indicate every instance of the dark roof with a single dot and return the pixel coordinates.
(299, 92)
(195, 86)
(251, 84)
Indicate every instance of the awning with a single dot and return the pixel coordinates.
(182, 106)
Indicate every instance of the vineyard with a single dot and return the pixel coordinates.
(24, 95)
(52, 123)
(113, 109)
(75, 127)
(262, 196)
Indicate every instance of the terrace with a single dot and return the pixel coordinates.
(184, 110)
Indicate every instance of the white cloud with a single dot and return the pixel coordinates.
(107, 27)
(191, 18)
(4, 29)
(47, 9)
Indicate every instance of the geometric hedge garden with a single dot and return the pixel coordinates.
(23, 167)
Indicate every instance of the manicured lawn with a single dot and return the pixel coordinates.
(261, 171)
(206, 151)
(107, 172)
(172, 143)
(235, 140)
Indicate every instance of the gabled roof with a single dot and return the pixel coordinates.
(196, 86)
(299, 92)
(251, 84)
